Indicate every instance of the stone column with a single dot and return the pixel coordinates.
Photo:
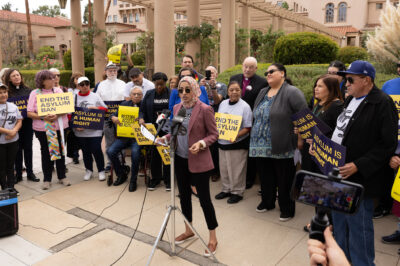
(227, 47)
(164, 37)
(150, 19)
(78, 64)
(245, 24)
(1, 58)
(99, 42)
(193, 19)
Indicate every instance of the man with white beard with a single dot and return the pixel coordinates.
(111, 89)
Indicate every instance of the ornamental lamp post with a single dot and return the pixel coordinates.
(63, 3)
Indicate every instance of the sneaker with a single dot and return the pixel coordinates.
(379, 212)
(392, 239)
(167, 187)
(102, 175)
(285, 217)
(152, 185)
(88, 175)
(46, 185)
(261, 208)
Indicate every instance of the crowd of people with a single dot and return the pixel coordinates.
(360, 116)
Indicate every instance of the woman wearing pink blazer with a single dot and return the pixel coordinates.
(193, 161)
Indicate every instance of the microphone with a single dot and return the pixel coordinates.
(177, 121)
(162, 119)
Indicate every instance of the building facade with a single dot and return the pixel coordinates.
(350, 17)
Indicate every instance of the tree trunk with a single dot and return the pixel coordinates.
(28, 23)
(107, 8)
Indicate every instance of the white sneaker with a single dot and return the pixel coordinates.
(102, 175)
(88, 175)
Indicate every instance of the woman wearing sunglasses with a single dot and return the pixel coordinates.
(17, 88)
(193, 161)
(273, 142)
(90, 139)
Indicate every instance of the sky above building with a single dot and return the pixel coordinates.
(34, 4)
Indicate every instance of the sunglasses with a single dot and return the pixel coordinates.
(84, 83)
(187, 90)
(351, 79)
(270, 72)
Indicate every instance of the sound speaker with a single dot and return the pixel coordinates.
(8, 212)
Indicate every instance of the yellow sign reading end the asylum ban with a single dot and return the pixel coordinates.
(127, 116)
(114, 53)
(55, 103)
(142, 140)
(164, 153)
(396, 100)
(396, 187)
(228, 125)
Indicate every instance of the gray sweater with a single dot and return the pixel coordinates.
(288, 101)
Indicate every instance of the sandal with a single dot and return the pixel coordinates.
(182, 238)
(212, 248)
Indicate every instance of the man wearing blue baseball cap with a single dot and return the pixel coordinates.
(367, 127)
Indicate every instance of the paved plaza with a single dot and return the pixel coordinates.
(62, 227)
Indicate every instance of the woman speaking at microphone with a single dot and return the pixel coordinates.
(193, 161)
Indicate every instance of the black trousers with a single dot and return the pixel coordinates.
(277, 173)
(215, 157)
(8, 153)
(158, 169)
(201, 181)
(47, 164)
(24, 153)
(251, 171)
(72, 143)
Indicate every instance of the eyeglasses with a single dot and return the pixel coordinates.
(270, 72)
(84, 83)
(351, 79)
(187, 90)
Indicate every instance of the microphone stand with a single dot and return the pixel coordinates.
(173, 208)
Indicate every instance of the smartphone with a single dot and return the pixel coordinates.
(320, 191)
(208, 74)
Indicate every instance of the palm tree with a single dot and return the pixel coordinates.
(28, 23)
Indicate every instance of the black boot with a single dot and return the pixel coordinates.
(132, 186)
(121, 179)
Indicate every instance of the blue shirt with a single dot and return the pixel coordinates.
(392, 87)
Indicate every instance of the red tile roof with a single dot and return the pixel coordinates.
(35, 19)
(345, 29)
(130, 30)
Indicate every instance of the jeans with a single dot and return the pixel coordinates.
(355, 233)
(8, 153)
(92, 146)
(25, 148)
(47, 164)
(113, 154)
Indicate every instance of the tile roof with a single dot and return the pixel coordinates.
(345, 29)
(35, 19)
(130, 30)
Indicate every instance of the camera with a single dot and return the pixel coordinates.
(208, 74)
(326, 193)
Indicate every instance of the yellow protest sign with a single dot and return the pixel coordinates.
(228, 125)
(396, 100)
(114, 53)
(127, 116)
(164, 153)
(142, 140)
(396, 187)
(55, 103)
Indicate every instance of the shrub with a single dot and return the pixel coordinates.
(46, 51)
(138, 58)
(349, 54)
(304, 48)
(67, 60)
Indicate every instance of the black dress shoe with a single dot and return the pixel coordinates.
(234, 199)
(132, 186)
(120, 180)
(33, 178)
(75, 160)
(222, 195)
(18, 179)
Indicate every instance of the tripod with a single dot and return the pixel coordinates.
(171, 211)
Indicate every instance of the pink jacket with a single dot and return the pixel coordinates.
(202, 126)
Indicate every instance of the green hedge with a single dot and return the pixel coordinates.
(302, 76)
(349, 54)
(305, 48)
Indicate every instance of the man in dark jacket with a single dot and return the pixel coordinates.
(136, 95)
(251, 84)
(367, 128)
